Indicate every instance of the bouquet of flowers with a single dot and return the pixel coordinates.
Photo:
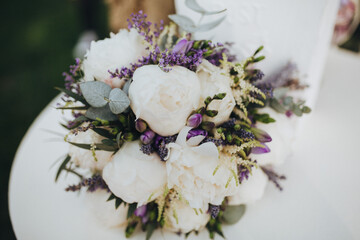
(171, 129)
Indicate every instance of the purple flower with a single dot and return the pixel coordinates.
(260, 150)
(147, 137)
(288, 113)
(194, 120)
(140, 125)
(261, 135)
(140, 211)
(196, 132)
(183, 46)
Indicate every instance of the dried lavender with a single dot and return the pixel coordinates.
(245, 170)
(214, 210)
(273, 177)
(218, 54)
(93, 183)
(245, 135)
(147, 149)
(217, 142)
(229, 124)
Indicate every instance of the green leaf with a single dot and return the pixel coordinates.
(211, 113)
(131, 210)
(62, 167)
(280, 92)
(184, 22)
(102, 113)
(150, 228)
(258, 50)
(112, 196)
(95, 93)
(99, 146)
(258, 59)
(264, 118)
(108, 142)
(208, 126)
(130, 228)
(103, 132)
(118, 202)
(119, 101)
(193, 5)
(219, 96)
(296, 110)
(306, 109)
(73, 95)
(233, 213)
(73, 108)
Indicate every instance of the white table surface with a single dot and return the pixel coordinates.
(321, 197)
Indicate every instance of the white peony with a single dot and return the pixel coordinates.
(213, 81)
(105, 210)
(118, 51)
(164, 99)
(282, 133)
(180, 217)
(84, 158)
(191, 169)
(250, 190)
(134, 176)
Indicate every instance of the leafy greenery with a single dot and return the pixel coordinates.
(62, 166)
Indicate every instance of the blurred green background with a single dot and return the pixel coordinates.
(37, 41)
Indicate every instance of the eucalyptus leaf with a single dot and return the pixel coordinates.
(184, 22)
(119, 101)
(208, 26)
(296, 110)
(193, 5)
(280, 92)
(95, 93)
(127, 86)
(233, 213)
(275, 104)
(103, 113)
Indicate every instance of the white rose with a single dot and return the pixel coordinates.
(105, 210)
(84, 158)
(250, 190)
(213, 81)
(282, 133)
(180, 217)
(164, 99)
(118, 51)
(134, 176)
(191, 169)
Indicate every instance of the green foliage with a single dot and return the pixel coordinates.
(233, 213)
(62, 166)
(75, 96)
(264, 118)
(98, 146)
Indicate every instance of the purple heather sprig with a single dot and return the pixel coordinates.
(244, 171)
(273, 177)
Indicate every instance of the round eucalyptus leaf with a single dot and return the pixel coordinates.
(208, 26)
(119, 101)
(95, 93)
(103, 113)
(127, 86)
(233, 213)
(184, 22)
(193, 5)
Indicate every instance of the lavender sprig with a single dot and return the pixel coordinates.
(273, 177)
(93, 183)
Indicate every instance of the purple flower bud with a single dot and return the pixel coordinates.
(183, 46)
(147, 137)
(140, 211)
(261, 135)
(260, 150)
(196, 132)
(194, 120)
(140, 125)
(288, 113)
